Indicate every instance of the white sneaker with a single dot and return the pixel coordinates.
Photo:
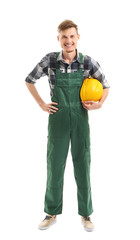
(88, 225)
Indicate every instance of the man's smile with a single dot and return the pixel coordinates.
(69, 45)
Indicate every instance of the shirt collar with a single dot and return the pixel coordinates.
(60, 57)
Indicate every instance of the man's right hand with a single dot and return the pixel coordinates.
(45, 107)
(49, 107)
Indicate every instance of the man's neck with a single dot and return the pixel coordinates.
(68, 57)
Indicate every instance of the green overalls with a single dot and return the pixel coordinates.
(70, 122)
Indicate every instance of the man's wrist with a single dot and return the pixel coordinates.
(100, 103)
(41, 103)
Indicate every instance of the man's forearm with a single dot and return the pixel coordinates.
(34, 93)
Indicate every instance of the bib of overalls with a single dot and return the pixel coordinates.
(67, 95)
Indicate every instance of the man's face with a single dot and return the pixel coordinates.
(68, 39)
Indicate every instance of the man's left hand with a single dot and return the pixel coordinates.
(91, 105)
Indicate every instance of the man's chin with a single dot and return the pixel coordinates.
(70, 51)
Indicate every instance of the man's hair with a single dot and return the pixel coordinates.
(67, 24)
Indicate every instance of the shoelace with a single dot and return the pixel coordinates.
(47, 217)
(86, 218)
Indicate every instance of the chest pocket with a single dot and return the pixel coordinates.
(69, 79)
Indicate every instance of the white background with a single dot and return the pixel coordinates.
(110, 34)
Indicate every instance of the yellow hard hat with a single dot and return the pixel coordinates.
(91, 89)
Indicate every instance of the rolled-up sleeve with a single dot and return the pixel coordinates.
(97, 73)
(40, 70)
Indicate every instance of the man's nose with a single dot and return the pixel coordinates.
(68, 40)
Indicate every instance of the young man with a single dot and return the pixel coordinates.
(68, 121)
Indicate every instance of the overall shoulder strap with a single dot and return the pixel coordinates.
(81, 60)
(57, 54)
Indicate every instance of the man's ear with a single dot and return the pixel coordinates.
(58, 37)
(78, 36)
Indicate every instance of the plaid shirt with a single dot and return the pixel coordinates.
(47, 66)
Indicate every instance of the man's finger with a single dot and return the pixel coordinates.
(53, 107)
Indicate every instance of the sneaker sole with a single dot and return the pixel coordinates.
(44, 228)
(89, 230)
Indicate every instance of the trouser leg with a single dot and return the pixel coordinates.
(80, 149)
